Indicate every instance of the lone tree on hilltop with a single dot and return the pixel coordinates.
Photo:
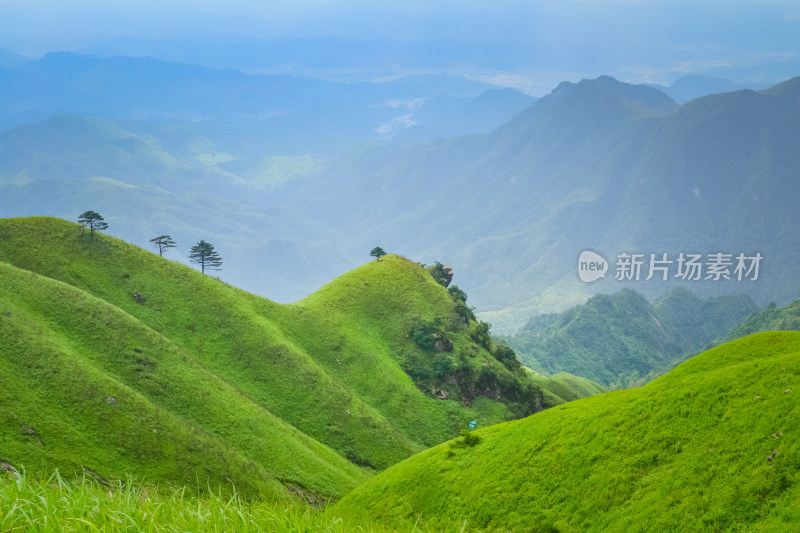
(163, 242)
(93, 221)
(377, 253)
(204, 255)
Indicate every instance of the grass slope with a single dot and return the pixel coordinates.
(371, 310)
(55, 503)
(564, 387)
(86, 385)
(188, 344)
(230, 333)
(712, 445)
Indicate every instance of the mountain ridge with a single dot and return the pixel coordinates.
(331, 381)
(516, 205)
(621, 339)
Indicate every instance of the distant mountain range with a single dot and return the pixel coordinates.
(292, 201)
(596, 165)
(276, 113)
(11, 59)
(620, 339)
(771, 318)
(689, 87)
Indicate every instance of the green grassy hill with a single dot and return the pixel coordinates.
(87, 386)
(298, 394)
(713, 445)
(565, 387)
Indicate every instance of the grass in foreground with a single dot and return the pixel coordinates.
(54, 503)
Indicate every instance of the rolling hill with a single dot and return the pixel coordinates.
(712, 445)
(85, 386)
(105, 340)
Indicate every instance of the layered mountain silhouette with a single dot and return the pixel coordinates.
(598, 164)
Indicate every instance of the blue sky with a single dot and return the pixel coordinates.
(636, 40)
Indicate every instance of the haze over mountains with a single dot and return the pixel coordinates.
(274, 172)
(625, 340)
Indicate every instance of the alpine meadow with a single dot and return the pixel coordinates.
(424, 267)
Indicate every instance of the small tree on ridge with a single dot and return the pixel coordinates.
(163, 242)
(203, 254)
(93, 221)
(377, 253)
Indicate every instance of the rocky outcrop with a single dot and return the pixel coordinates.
(448, 275)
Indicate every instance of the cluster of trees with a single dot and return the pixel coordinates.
(202, 253)
(439, 364)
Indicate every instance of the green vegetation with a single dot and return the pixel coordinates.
(622, 340)
(94, 221)
(441, 274)
(564, 387)
(106, 348)
(772, 318)
(87, 386)
(203, 254)
(377, 253)
(712, 445)
(52, 503)
(163, 242)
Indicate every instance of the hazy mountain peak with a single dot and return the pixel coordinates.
(639, 95)
(598, 104)
(605, 90)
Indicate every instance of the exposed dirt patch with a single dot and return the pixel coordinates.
(312, 498)
(8, 467)
(96, 476)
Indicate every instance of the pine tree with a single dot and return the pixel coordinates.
(93, 221)
(163, 242)
(204, 255)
